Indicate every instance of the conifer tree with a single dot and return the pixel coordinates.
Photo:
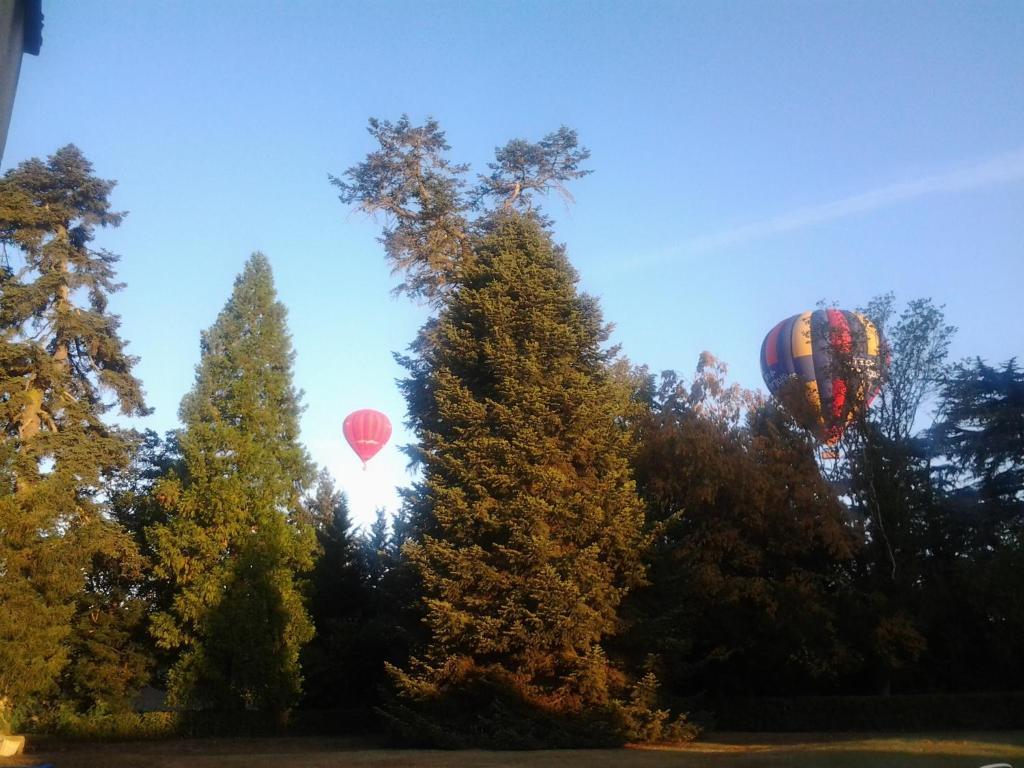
(63, 366)
(528, 526)
(524, 534)
(979, 436)
(394, 620)
(376, 550)
(430, 233)
(335, 662)
(981, 430)
(111, 654)
(233, 542)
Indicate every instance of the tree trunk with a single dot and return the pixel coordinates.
(60, 354)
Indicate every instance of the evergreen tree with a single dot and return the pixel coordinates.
(134, 586)
(430, 234)
(376, 549)
(137, 507)
(523, 536)
(977, 611)
(111, 654)
(63, 366)
(410, 180)
(395, 619)
(981, 430)
(233, 542)
(342, 662)
(528, 528)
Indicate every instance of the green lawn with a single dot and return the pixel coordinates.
(717, 751)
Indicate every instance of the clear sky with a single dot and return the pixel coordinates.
(750, 159)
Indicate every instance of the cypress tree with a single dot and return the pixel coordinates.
(528, 527)
(234, 540)
(63, 366)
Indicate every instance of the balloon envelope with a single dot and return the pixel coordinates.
(825, 367)
(366, 431)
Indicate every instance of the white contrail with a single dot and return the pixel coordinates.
(1002, 169)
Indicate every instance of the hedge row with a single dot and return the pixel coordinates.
(866, 713)
(131, 726)
(981, 711)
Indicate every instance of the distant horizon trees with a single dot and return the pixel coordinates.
(587, 549)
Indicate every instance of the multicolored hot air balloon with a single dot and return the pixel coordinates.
(825, 367)
(366, 431)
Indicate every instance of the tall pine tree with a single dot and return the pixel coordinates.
(234, 540)
(528, 527)
(63, 366)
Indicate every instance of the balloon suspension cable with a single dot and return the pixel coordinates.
(364, 466)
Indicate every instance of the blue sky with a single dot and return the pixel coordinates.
(750, 159)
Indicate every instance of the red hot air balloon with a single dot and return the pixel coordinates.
(825, 367)
(366, 431)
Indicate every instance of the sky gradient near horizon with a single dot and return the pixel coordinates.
(750, 160)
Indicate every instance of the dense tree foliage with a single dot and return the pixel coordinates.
(886, 474)
(525, 532)
(979, 439)
(234, 538)
(410, 181)
(981, 432)
(911, 590)
(430, 229)
(63, 366)
(343, 663)
(928, 578)
(750, 545)
(530, 526)
(584, 543)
